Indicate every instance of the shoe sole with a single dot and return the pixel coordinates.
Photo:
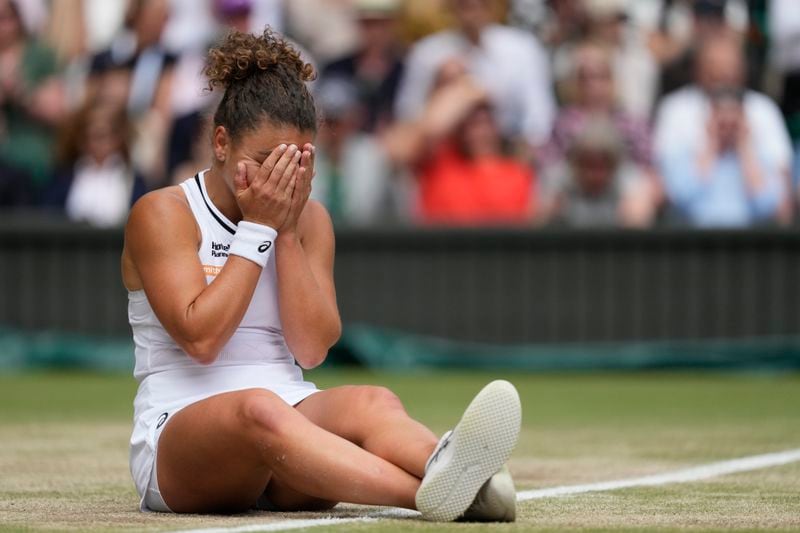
(482, 443)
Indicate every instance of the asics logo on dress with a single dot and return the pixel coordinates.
(266, 245)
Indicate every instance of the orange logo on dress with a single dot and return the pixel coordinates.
(211, 270)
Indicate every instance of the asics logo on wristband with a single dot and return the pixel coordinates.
(266, 245)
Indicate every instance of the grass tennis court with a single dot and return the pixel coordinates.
(63, 459)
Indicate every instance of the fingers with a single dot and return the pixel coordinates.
(281, 169)
(311, 149)
(307, 160)
(304, 174)
(289, 178)
(265, 171)
(301, 188)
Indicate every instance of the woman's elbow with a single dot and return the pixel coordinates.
(312, 354)
(203, 351)
(311, 361)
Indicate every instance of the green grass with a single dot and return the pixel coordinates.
(63, 459)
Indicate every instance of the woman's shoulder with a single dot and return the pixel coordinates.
(166, 207)
(167, 197)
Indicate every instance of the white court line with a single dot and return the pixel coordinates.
(696, 473)
(687, 475)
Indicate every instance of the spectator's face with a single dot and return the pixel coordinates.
(720, 64)
(102, 139)
(151, 21)
(595, 82)
(472, 15)
(377, 33)
(10, 28)
(478, 134)
(594, 171)
(727, 118)
(113, 86)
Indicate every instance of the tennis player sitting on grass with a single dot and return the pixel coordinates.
(230, 280)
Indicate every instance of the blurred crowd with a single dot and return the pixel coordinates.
(580, 113)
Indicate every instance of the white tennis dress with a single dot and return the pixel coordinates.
(255, 357)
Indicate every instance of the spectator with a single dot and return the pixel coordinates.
(190, 99)
(135, 65)
(31, 103)
(511, 64)
(137, 72)
(596, 185)
(677, 53)
(96, 183)
(635, 69)
(376, 67)
(725, 180)
(591, 93)
(784, 21)
(609, 24)
(464, 166)
(683, 115)
(352, 171)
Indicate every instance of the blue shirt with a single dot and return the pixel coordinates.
(721, 198)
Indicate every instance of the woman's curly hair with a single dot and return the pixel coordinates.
(263, 77)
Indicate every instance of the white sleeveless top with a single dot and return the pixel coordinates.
(256, 356)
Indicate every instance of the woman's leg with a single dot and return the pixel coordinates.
(476, 448)
(220, 453)
(374, 419)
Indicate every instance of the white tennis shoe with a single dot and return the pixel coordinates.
(496, 501)
(470, 454)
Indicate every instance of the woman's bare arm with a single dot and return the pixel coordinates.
(304, 256)
(161, 238)
(162, 241)
(306, 292)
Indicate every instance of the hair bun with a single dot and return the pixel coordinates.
(241, 55)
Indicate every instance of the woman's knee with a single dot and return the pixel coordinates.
(264, 410)
(376, 401)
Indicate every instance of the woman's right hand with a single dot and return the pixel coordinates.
(264, 193)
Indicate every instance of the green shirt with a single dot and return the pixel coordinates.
(26, 143)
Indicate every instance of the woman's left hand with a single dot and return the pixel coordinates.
(302, 189)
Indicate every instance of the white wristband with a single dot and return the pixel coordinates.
(253, 242)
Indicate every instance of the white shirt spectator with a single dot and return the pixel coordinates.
(510, 63)
(100, 193)
(683, 115)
